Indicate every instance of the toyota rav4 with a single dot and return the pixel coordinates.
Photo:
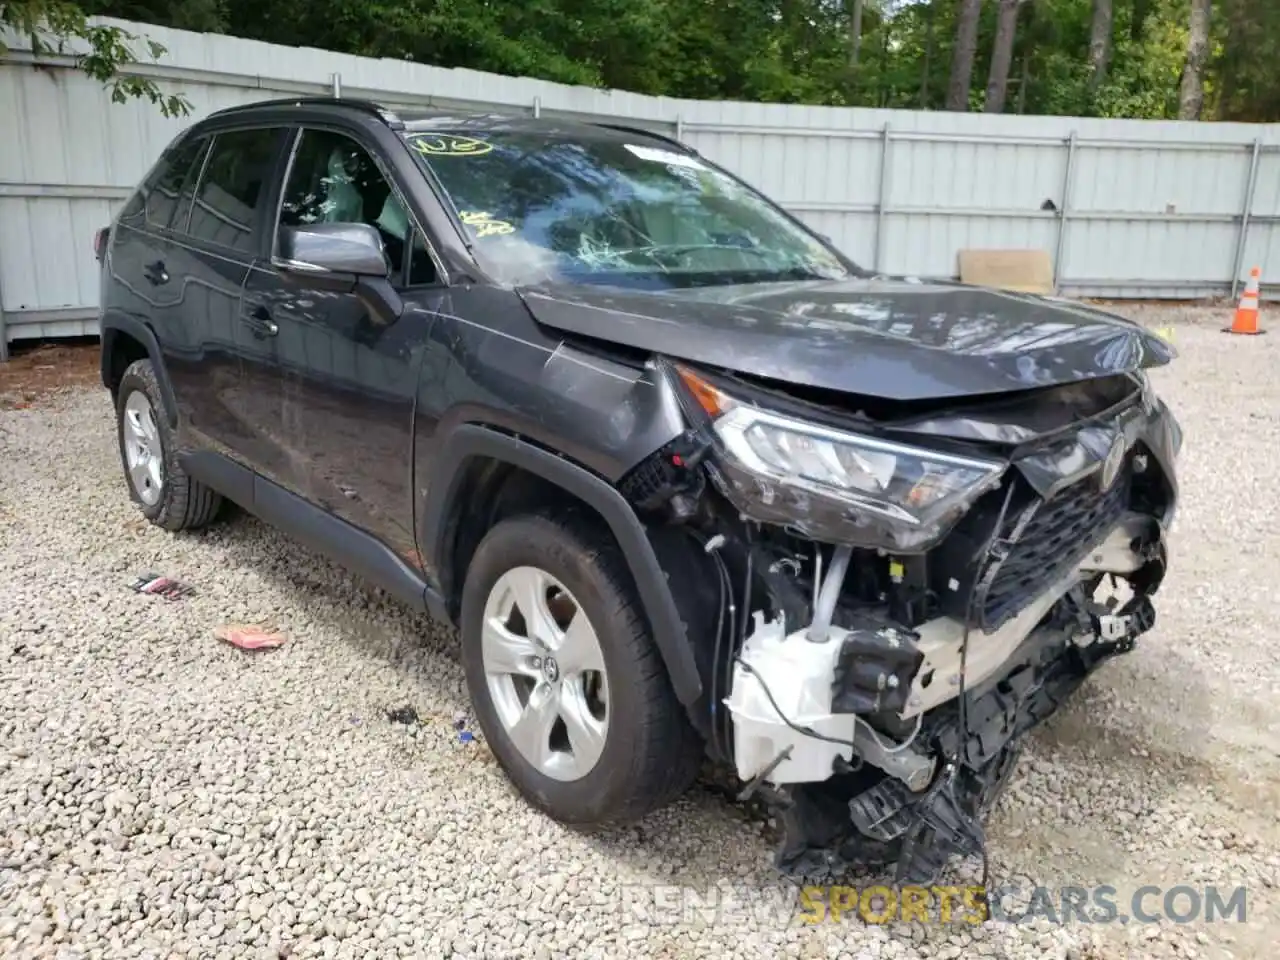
(691, 484)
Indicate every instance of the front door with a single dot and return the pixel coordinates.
(348, 382)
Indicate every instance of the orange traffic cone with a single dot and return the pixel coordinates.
(1247, 313)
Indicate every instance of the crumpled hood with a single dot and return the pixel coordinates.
(894, 339)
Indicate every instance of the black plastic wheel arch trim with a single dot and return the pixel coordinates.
(114, 324)
(471, 440)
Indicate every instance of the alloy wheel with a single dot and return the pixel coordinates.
(144, 456)
(545, 673)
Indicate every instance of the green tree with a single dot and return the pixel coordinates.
(1246, 61)
(102, 51)
(1110, 58)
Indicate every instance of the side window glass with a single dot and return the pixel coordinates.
(157, 196)
(334, 180)
(186, 198)
(422, 269)
(184, 167)
(234, 185)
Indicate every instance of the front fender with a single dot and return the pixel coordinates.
(468, 441)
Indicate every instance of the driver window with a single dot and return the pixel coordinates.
(334, 180)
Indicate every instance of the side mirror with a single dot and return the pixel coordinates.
(338, 251)
(342, 258)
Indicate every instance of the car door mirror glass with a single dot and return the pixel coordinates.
(329, 250)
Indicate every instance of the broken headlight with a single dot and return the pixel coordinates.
(834, 484)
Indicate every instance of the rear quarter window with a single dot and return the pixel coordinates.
(155, 201)
(163, 200)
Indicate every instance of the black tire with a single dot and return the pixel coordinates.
(651, 753)
(184, 503)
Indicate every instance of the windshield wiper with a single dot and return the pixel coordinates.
(681, 248)
(769, 257)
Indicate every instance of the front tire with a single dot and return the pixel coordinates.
(148, 451)
(566, 681)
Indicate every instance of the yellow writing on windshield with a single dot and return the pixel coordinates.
(485, 225)
(449, 145)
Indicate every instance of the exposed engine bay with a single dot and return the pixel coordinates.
(885, 600)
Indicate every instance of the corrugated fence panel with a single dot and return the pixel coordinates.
(1126, 207)
(926, 244)
(942, 198)
(1266, 198)
(1263, 246)
(1161, 218)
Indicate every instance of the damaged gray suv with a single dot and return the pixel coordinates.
(691, 484)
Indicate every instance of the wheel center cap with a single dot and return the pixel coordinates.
(550, 670)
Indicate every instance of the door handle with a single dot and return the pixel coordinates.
(260, 322)
(156, 273)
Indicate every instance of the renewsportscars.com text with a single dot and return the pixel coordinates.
(1014, 904)
(659, 904)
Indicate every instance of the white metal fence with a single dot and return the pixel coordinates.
(1126, 208)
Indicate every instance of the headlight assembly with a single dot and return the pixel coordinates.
(834, 484)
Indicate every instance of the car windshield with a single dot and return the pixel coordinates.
(559, 207)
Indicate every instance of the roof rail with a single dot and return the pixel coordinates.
(626, 128)
(367, 106)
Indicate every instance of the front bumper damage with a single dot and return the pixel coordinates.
(922, 803)
(877, 699)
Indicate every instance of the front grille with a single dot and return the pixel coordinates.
(1044, 541)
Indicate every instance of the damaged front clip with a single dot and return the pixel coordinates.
(879, 815)
(807, 704)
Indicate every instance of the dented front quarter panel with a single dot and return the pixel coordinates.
(509, 374)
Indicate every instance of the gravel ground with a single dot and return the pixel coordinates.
(162, 794)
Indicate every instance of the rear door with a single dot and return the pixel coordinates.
(218, 231)
(148, 281)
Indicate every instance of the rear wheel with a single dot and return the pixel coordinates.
(567, 684)
(148, 451)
